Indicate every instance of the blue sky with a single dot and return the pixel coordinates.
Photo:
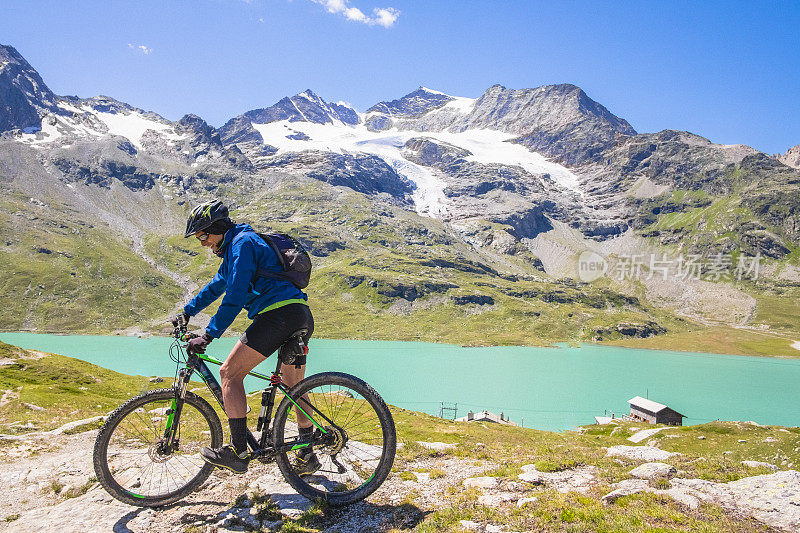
(729, 71)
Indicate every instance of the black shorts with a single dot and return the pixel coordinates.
(271, 329)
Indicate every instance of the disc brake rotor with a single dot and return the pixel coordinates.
(156, 453)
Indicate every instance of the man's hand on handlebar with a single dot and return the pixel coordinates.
(198, 344)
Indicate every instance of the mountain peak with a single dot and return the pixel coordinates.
(431, 91)
(23, 94)
(413, 104)
(309, 94)
(8, 54)
(305, 106)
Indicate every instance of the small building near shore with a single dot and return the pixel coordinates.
(652, 412)
(486, 416)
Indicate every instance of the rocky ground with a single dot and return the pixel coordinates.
(48, 482)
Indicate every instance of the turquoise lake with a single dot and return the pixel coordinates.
(549, 388)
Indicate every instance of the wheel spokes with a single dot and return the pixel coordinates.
(136, 456)
(355, 442)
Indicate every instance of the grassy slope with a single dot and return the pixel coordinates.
(707, 222)
(69, 390)
(68, 275)
(92, 282)
(374, 252)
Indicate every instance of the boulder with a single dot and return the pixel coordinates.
(641, 453)
(436, 446)
(484, 482)
(773, 499)
(522, 502)
(653, 471)
(759, 464)
(579, 479)
(626, 488)
(497, 499)
(682, 497)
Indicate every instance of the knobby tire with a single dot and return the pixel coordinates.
(362, 415)
(134, 425)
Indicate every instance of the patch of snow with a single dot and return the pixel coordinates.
(796, 345)
(69, 107)
(433, 92)
(487, 146)
(298, 109)
(340, 138)
(461, 104)
(490, 146)
(46, 134)
(133, 125)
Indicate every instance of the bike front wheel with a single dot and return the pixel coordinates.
(354, 443)
(132, 459)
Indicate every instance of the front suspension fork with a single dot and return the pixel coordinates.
(174, 412)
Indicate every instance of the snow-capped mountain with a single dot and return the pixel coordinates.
(303, 107)
(522, 158)
(560, 121)
(512, 185)
(488, 166)
(413, 104)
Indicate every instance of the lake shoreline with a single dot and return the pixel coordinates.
(550, 344)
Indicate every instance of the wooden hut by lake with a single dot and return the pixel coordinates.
(654, 412)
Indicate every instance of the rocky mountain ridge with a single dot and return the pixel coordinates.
(24, 97)
(791, 157)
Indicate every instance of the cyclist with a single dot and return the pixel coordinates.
(276, 307)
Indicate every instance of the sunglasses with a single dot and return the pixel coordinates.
(203, 236)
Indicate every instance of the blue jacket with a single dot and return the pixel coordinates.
(243, 253)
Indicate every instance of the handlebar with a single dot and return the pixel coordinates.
(182, 333)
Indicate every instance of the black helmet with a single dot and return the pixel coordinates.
(204, 215)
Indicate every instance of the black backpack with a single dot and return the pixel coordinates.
(293, 257)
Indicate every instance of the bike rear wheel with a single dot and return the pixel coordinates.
(357, 449)
(131, 460)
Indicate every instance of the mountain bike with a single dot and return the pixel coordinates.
(147, 452)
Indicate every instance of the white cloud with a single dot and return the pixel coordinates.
(356, 14)
(385, 16)
(140, 48)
